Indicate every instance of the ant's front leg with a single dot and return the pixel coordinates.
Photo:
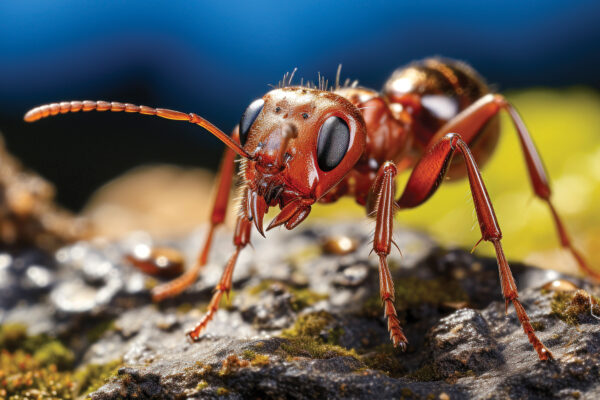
(241, 238)
(178, 285)
(426, 177)
(384, 188)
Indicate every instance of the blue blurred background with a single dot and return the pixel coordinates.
(214, 57)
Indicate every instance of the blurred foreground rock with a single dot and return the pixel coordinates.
(305, 322)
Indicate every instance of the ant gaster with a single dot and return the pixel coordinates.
(304, 144)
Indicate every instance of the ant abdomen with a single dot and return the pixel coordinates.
(433, 91)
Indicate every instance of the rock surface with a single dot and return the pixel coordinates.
(307, 323)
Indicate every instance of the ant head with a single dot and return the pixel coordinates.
(302, 142)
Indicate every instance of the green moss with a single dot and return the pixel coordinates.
(570, 307)
(23, 377)
(560, 304)
(385, 359)
(426, 373)
(307, 253)
(221, 391)
(202, 385)
(232, 363)
(55, 353)
(184, 308)
(260, 360)
(44, 349)
(538, 326)
(304, 338)
(227, 300)
(301, 297)
(311, 324)
(248, 355)
(306, 346)
(261, 287)
(255, 358)
(373, 307)
(91, 377)
(334, 335)
(38, 366)
(150, 283)
(12, 336)
(94, 334)
(413, 291)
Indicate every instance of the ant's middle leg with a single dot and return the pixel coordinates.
(178, 285)
(470, 122)
(426, 177)
(385, 189)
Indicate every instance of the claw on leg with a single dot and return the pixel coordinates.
(387, 297)
(509, 290)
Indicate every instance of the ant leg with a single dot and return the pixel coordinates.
(178, 285)
(384, 188)
(240, 239)
(470, 122)
(424, 181)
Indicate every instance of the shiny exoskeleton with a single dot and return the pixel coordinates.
(304, 144)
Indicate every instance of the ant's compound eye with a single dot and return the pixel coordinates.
(332, 144)
(248, 118)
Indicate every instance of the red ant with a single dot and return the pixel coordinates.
(304, 144)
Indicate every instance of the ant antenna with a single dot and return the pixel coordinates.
(64, 107)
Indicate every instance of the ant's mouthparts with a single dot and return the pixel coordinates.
(256, 207)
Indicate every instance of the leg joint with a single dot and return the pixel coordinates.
(454, 138)
(389, 168)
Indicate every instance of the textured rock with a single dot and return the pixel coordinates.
(462, 342)
(305, 322)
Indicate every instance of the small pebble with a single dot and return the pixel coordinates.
(164, 262)
(560, 285)
(339, 245)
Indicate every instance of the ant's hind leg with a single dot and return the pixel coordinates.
(240, 239)
(470, 122)
(541, 186)
(426, 177)
(178, 285)
(385, 189)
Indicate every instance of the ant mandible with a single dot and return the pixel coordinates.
(305, 144)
